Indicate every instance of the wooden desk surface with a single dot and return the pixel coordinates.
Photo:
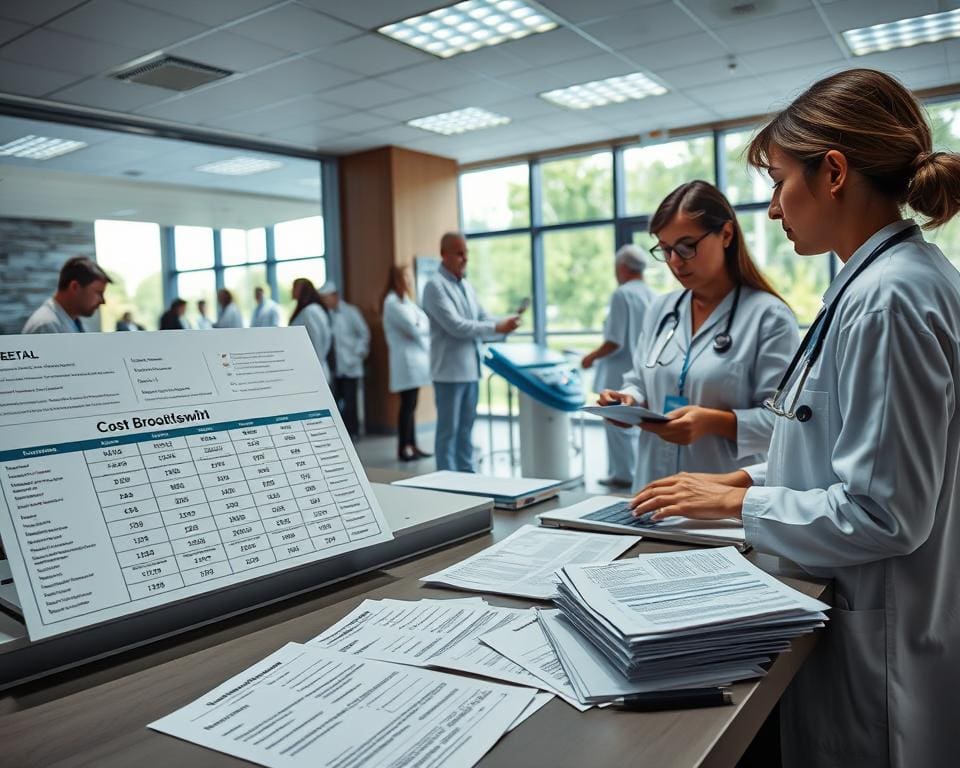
(97, 717)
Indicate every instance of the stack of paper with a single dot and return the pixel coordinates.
(672, 620)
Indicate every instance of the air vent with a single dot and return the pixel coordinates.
(172, 73)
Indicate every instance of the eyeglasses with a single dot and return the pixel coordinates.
(685, 251)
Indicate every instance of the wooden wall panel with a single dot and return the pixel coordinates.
(395, 204)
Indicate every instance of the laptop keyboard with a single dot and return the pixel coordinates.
(618, 514)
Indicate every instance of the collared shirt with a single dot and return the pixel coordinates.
(351, 338)
(266, 315)
(623, 327)
(230, 317)
(50, 317)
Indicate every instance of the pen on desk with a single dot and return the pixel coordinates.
(688, 698)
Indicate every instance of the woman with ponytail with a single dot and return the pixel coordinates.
(862, 483)
(711, 352)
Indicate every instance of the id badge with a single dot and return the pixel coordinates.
(672, 402)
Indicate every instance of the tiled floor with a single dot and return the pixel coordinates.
(381, 452)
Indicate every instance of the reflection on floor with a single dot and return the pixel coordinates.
(381, 452)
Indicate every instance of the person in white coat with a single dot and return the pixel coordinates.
(310, 313)
(710, 353)
(230, 316)
(351, 345)
(862, 484)
(80, 289)
(407, 331)
(614, 357)
(458, 326)
(266, 312)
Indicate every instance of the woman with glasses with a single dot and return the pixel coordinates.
(711, 352)
(863, 480)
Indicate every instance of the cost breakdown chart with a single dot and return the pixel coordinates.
(184, 510)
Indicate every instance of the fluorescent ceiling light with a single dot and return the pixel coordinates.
(460, 121)
(904, 33)
(39, 147)
(239, 166)
(598, 93)
(469, 25)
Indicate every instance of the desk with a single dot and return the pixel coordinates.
(98, 718)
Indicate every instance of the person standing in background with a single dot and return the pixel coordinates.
(407, 331)
(203, 322)
(126, 323)
(310, 313)
(458, 326)
(614, 357)
(80, 290)
(351, 341)
(266, 314)
(230, 316)
(174, 319)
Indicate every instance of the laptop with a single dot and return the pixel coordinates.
(506, 492)
(612, 514)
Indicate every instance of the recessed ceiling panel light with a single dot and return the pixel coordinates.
(239, 166)
(467, 26)
(904, 33)
(598, 93)
(39, 147)
(460, 121)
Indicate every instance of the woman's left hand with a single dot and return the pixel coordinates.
(689, 495)
(686, 425)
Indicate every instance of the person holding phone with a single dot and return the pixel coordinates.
(614, 357)
(862, 485)
(710, 353)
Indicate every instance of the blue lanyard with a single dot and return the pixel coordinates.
(682, 381)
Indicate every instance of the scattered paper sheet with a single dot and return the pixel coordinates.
(524, 563)
(307, 707)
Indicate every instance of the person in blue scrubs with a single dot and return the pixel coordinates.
(710, 353)
(862, 485)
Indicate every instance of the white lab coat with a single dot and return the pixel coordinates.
(230, 317)
(203, 323)
(351, 337)
(765, 336)
(407, 331)
(623, 326)
(50, 317)
(867, 492)
(315, 320)
(265, 315)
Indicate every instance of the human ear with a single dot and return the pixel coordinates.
(726, 234)
(836, 170)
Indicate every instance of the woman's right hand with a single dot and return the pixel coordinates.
(612, 397)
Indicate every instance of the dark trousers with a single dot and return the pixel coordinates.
(406, 429)
(345, 393)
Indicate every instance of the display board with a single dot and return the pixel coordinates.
(140, 469)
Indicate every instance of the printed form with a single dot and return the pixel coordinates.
(141, 469)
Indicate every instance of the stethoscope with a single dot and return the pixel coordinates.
(814, 338)
(721, 342)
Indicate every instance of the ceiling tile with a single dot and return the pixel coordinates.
(11, 29)
(298, 77)
(716, 15)
(210, 12)
(550, 47)
(578, 12)
(67, 53)
(33, 12)
(651, 24)
(822, 50)
(480, 93)
(110, 20)
(492, 61)
(357, 122)
(396, 134)
(280, 115)
(370, 14)
(104, 93)
(427, 78)
(850, 14)
(228, 51)
(736, 88)
(678, 52)
(371, 55)
(526, 107)
(931, 54)
(31, 80)
(307, 135)
(773, 31)
(417, 106)
(294, 28)
(366, 94)
(703, 73)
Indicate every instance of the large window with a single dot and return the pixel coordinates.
(652, 172)
(578, 188)
(580, 279)
(129, 251)
(945, 121)
(499, 269)
(496, 199)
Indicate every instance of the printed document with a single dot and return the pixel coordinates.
(304, 707)
(524, 563)
(141, 469)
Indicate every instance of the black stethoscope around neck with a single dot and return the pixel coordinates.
(721, 342)
(812, 344)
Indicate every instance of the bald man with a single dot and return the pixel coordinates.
(458, 326)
